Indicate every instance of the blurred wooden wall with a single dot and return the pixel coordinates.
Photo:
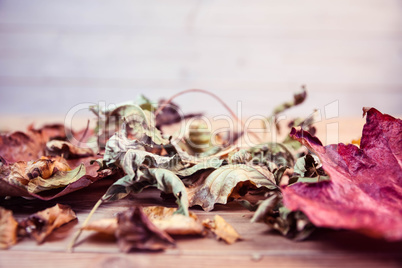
(56, 54)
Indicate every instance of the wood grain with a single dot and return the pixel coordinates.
(257, 52)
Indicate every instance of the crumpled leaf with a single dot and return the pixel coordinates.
(240, 157)
(8, 229)
(308, 169)
(142, 169)
(130, 154)
(58, 180)
(67, 150)
(168, 220)
(365, 192)
(163, 179)
(229, 181)
(222, 229)
(212, 163)
(308, 166)
(271, 155)
(41, 175)
(292, 224)
(20, 188)
(140, 123)
(136, 232)
(41, 224)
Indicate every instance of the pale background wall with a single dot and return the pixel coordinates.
(56, 54)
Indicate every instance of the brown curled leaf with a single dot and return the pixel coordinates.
(82, 175)
(136, 232)
(41, 224)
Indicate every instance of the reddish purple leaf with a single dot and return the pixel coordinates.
(365, 191)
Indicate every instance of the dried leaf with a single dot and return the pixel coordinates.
(67, 150)
(58, 180)
(226, 182)
(130, 154)
(139, 123)
(20, 146)
(165, 180)
(308, 169)
(222, 229)
(212, 163)
(167, 219)
(294, 225)
(105, 226)
(136, 232)
(41, 175)
(41, 224)
(8, 229)
(16, 187)
(271, 155)
(298, 98)
(240, 157)
(365, 192)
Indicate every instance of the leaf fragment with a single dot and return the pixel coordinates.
(222, 229)
(8, 229)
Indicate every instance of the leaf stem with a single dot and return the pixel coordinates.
(70, 247)
(85, 132)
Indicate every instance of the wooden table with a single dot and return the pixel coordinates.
(259, 247)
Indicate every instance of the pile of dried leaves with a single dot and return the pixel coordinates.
(292, 189)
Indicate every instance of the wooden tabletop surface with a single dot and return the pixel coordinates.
(259, 246)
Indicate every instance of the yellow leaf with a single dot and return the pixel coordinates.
(105, 226)
(174, 224)
(222, 229)
(8, 229)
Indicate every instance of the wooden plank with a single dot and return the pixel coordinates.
(248, 98)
